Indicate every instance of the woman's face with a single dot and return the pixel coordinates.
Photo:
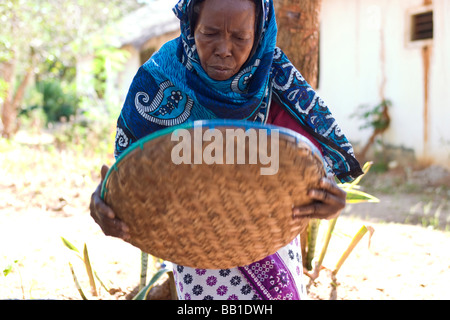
(224, 36)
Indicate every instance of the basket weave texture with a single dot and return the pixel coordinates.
(213, 216)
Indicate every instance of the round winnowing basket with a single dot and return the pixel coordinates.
(192, 196)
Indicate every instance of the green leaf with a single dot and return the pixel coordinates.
(142, 295)
(352, 245)
(89, 271)
(353, 194)
(331, 225)
(77, 284)
(312, 239)
(365, 169)
(356, 196)
(69, 245)
(7, 270)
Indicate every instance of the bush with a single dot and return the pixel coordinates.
(56, 101)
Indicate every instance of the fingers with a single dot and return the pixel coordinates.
(316, 210)
(330, 193)
(106, 219)
(328, 201)
(104, 171)
(330, 185)
(104, 216)
(115, 228)
(328, 198)
(101, 207)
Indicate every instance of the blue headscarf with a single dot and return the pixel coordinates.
(172, 88)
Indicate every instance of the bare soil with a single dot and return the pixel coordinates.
(44, 195)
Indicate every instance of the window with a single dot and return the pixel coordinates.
(422, 26)
(419, 27)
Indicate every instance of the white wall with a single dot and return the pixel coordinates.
(440, 89)
(364, 42)
(128, 72)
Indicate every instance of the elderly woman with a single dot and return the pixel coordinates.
(225, 64)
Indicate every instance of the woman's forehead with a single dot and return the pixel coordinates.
(239, 13)
(223, 7)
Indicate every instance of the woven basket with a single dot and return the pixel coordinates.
(212, 216)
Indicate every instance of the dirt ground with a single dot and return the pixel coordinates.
(44, 196)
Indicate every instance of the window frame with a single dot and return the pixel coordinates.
(410, 14)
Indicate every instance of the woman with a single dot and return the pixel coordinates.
(225, 65)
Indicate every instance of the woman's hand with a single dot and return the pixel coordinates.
(104, 215)
(328, 204)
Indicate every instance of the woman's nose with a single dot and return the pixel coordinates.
(223, 48)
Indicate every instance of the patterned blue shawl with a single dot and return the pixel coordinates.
(172, 88)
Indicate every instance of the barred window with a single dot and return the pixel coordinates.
(422, 26)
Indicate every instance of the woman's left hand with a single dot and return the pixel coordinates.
(328, 201)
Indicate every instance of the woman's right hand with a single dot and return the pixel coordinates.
(104, 216)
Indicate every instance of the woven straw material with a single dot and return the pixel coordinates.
(211, 216)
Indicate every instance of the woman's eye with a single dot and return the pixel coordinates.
(242, 38)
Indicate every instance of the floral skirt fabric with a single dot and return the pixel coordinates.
(276, 277)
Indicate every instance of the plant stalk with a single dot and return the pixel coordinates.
(144, 267)
(331, 225)
(87, 263)
(350, 248)
(77, 284)
(312, 238)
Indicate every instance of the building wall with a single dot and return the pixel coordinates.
(134, 62)
(440, 84)
(125, 77)
(365, 57)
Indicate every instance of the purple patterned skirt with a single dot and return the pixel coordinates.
(276, 277)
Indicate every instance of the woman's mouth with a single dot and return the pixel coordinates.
(220, 72)
(220, 67)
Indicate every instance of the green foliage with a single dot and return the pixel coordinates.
(353, 196)
(9, 268)
(57, 102)
(86, 136)
(373, 117)
(77, 284)
(90, 271)
(69, 245)
(143, 293)
(106, 60)
(358, 236)
(48, 37)
(3, 89)
(144, 288)
(58, 28)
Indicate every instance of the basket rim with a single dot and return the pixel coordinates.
(208, 124)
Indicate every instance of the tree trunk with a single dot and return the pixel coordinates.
(8, 118)
(298, 36)
(12, 100)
